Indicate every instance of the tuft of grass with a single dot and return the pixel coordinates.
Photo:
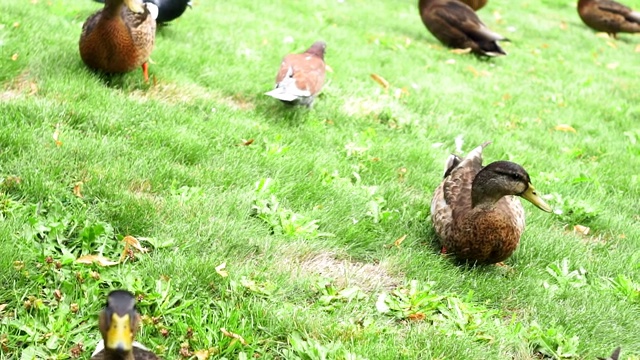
(247, 229)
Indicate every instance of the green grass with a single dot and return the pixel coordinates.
(303, 217)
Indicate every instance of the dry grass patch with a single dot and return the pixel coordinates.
(343, 273)
(179, 94)
(19, 87)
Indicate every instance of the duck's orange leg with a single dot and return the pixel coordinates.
(145, 71)
(443, 250)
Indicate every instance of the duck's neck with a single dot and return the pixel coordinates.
(113, 7)
(485, 191)
(115, 355)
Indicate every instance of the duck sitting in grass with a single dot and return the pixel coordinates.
(609, 16)
(120, 37)
(457, 26)
(474, 210)
(118, 324)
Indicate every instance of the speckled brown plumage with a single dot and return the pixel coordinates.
(301, 76)
(138, 354)
(116, 39)
(118, 323)
(456, 25)
(475, 4)
(474, 211)
(609, 16)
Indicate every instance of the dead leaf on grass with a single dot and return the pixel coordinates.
(56, 135)
(582, 230)
(77, 189)
(416, 317)
(246, 142)
(233, 336)
(222, 269)
(397, 242)
(98, 259)
(381, 81)
(460, 51)
(565, 128)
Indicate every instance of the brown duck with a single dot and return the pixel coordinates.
(301, 76)
(475, 4)
(120, 37)
(609, 16)
(474, 210)
(118, 324)
(456, 25)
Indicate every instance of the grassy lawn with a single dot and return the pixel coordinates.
(306, 233)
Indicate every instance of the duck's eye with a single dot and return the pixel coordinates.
(516, 176)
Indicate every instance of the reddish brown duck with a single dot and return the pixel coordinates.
(120, 37)
(301, 76)
(609, 16)
(475, 210)
(456, 25)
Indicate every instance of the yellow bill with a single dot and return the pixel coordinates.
(531, 196)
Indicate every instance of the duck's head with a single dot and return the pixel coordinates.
(503, 178)
(318, 48)
(119, 321)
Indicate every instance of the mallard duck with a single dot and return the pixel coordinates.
(474, 210)
(609, 16)
(301, 76)
(475, 4)
(119, 38)
(118, 324)
(614, 356)
(456, 25)
(167, 9)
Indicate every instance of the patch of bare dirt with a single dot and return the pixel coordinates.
(177, 94)
(21, 86)
(344, 273)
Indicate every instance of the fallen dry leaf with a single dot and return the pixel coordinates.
(637, 49)
(582, 230)
(14, 57)
(563, 25)
(56, 135)
(233, 336)
(130, 241)
(133, 242)
(98, 259)
(416, 316)
(450, 62)
(247, 142)
(613, 65)
(77, 189)
(328, 68)
(611, 44)
(381, 81)
(221, 269)
(399, 240)
(201, 354)
(2, 307)
(565, 128)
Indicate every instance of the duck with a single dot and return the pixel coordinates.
(118, 323)
(119, 37)
(614, 356)
(475, 4)
(609, 16)
(168, 10)
(456, 25)
(475, 210)
(301, 76)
